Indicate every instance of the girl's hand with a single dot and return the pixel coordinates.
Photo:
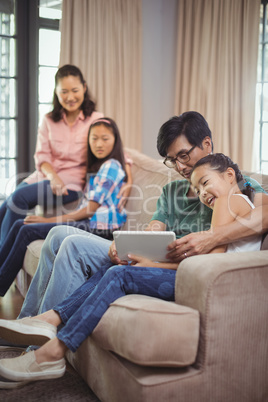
(57, 186)
(140, 261)
(35, 219)
(123, 195)
(112, 253)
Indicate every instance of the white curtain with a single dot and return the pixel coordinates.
(217, 50)
(103, 38)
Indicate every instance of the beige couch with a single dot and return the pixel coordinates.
(210, 345)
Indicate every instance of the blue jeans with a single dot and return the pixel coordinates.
(25, 197)
(82, 311)
(19, 237)
(68, 258)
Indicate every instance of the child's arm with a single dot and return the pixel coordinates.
(226, 210)
(125, 189)
(145, 262)
(83, 213)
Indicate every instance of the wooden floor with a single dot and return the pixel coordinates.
(10, 304)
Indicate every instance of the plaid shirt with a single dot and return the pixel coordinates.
(103, 188)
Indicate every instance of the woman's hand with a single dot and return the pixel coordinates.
(57, 185)
(191, 244)
(112, 253)
(123, 195)
(35, 219)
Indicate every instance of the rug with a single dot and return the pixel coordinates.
(69, 388)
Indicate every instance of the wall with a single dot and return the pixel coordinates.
(159, 19)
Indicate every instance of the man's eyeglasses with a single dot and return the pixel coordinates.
(183, 157)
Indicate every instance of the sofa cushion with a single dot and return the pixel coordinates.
(32, 255)
(150, 331)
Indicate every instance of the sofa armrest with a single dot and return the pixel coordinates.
(195, 275)
(230, 292)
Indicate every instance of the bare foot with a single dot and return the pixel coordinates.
(51, 351)
(50, 316)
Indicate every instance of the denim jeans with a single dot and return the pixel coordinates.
(82, 311)
(25, 197)
(19, 237)
(68, 258)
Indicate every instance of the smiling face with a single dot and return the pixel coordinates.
(70, 92)
(210, 184)
(101, 141)
(180, 146)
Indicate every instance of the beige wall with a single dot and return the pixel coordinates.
(158, 68)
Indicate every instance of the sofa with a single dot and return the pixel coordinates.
(210, 345)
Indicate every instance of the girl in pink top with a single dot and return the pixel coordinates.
(61, 151)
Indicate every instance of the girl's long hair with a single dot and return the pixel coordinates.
(93, 163)
(88, 106)
(221, 163)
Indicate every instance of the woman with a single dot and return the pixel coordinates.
(60, 156)
(99, 212)
(219, 184)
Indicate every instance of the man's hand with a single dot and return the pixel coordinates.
(192, 244)
(112, 253)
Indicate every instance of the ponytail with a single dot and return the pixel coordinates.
(248, 190)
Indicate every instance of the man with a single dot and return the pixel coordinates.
(70, 257)
(182, 141)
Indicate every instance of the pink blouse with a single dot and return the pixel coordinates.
(65, 148)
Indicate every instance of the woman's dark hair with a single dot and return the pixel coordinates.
(87, 107)
(221, 163)
(93, 163)
(191, 124)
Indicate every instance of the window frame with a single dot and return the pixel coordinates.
(264, 48)
(9, 37)
(28, 24)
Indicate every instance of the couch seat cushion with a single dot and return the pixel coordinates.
(32, 255)
(150, 331)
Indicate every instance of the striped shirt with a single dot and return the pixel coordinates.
(103, 188)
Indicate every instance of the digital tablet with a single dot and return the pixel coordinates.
(152, 245)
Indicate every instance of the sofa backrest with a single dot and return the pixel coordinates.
(260, 178)
(149, 177)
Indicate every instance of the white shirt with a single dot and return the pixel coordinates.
(252, 243)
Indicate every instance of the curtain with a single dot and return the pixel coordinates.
(103, 38)
(216, 72)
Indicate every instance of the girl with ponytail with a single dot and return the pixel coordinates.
(221, 186)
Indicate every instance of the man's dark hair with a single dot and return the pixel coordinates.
(191, 124)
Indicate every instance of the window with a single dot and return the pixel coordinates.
(262, 92)
(8, 101)
(50, 16)
(30, 48)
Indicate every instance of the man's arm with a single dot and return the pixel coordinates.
(256, 222)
